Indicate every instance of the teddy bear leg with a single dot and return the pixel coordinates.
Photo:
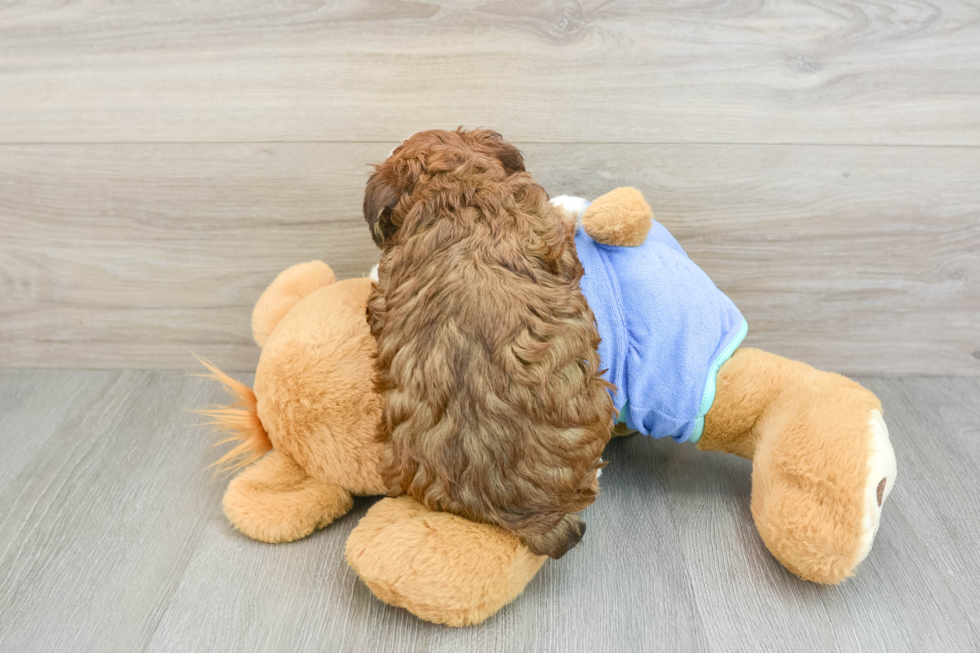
(285, 291)
(438, 566)
(274, 500)
(822, 461)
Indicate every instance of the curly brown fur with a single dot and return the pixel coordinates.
(494, 405)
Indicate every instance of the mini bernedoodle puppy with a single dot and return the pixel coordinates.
(494, 405)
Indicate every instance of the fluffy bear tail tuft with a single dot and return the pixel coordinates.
(239, 420)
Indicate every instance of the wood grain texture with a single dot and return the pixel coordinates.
(112, 539)
(104, 516)
(594, 71)
(860, 260)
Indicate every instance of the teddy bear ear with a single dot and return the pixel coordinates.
(621, 218)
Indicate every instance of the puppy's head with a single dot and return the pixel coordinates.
(424, 155)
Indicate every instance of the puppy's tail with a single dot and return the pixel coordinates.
(559, 540)
(238, 420)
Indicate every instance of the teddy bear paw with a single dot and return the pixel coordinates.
(881, 480)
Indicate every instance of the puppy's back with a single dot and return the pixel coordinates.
(494, 405)
(495, 409)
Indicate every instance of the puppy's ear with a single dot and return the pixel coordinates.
(379, 202)
(507, 154)
(510, 156)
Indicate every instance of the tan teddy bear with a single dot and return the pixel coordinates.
(822, 461)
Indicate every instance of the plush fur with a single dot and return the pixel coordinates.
(494, 404)
(621, 217)
(443, 568)
(809, 437)
(285, 292)
(238, 420)
(313, 401)
(315, 390)
(275, 500)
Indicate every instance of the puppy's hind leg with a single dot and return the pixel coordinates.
(558, 541)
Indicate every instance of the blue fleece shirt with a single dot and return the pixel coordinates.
(666, 330)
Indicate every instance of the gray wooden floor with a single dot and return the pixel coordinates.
(112, 539)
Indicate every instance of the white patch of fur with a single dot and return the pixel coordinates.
(573, 207)
(881, 464)
(373, 275)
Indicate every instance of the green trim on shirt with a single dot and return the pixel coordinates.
(623, 412)
(711, 385)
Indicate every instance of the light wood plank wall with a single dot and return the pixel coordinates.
(161, 162)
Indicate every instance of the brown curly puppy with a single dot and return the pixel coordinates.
(494, 405)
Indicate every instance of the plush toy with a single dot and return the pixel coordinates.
(822, 461)
(306, 442)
